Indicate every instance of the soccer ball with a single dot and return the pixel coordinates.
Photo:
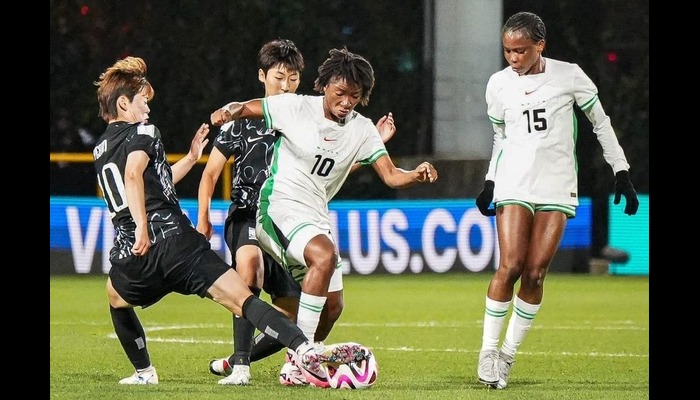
(354, 375)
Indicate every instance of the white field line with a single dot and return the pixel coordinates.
(617, 325)
(405, 349)
(576, 326)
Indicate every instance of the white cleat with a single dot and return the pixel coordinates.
(147, 377)
(240, 376)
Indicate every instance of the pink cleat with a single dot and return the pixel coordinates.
(310, 358)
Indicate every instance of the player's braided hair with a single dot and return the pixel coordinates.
(344, 65)
(529, 24)
(126, 77)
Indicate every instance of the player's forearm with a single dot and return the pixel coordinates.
(136, 198)
(237, 110)
(499, 134)
(182, 168)
(602, 127)
(204, 195)
(401, 178)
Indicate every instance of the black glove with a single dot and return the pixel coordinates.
(483, 201)
(623, 187)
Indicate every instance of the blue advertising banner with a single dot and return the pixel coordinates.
(631, 234)
(388, 236)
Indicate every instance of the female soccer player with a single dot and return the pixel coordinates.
(532, 179)
(322, 137)
(251, 143)
(156, 249)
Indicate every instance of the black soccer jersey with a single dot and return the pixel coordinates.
(162, 205)
(252, 146)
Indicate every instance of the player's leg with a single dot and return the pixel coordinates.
(197, 269)
(334, 304)
(308, 253)
(513, 222)
(321, 260)
(230, 291)
(547, 231)
(310, 250)
(240, 238)
(227, 291)
(284, 293)
(128, 275)
(247, 263)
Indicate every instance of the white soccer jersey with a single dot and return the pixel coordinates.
(534, 153)
(312, 159)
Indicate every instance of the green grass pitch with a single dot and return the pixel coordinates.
(590, 340)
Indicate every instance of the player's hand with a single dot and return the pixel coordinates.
(386, 127)
(623, 187)
(427, 173)
(199, 142)
(205, 228)
(485, 198)
(220, 116)
(142, 242)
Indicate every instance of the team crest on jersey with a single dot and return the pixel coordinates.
(99, 150)
(146, 130)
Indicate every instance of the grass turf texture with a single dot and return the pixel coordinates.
(590, 340)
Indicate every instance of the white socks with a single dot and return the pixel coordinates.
(519, 324)
(309, 314)
(494, 317)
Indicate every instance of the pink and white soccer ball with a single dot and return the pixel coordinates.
(354, 375)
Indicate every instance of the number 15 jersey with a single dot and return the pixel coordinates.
(534, 152)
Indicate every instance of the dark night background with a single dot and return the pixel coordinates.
(202, 54)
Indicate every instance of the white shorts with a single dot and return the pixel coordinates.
(286, 242)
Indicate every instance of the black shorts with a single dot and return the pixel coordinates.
(183, 263)
(239, 231)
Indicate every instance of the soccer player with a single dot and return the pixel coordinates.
(322, 137)
(156, 249)
(532, 179)
(251, 144)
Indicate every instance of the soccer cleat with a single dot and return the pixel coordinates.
(147, 377)
(309, 358)
(220, 367)
(487, 370)
(505, 363)
(309, 364)
(240, 376)
(291, 375)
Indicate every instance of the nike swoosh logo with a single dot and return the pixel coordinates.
(327, 139)
(253, 139)
(529, 92)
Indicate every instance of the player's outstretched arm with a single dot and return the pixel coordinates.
(398, 178)
(237, 110)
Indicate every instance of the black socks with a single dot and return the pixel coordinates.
(131, 335)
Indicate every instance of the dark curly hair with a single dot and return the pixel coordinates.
(351, 67)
